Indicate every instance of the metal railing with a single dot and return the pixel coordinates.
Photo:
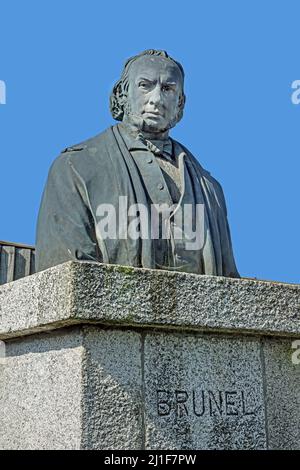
(16, 261)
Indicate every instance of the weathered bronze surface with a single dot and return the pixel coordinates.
(136, 163)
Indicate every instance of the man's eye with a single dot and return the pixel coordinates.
(143, 85)
(167, 88)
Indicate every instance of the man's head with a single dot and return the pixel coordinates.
(150, 92)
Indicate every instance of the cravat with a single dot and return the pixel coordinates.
(162, 148)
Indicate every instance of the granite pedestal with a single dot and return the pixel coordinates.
(110, 357)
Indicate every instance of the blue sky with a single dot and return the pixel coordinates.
(60, 59)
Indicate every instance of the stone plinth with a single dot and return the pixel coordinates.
(110, 357)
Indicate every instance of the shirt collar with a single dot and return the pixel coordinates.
(133, 143)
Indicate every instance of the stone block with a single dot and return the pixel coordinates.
(282, 394)
(203, 392)
(111, 357)
(40, 392)
(112, 397)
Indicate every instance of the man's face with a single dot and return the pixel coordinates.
(155, 87)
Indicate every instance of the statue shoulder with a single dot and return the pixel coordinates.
(90, 145)
(82, 156)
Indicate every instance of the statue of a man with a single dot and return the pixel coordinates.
(97, 200)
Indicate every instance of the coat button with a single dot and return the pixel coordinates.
(160, 186)
(149, 160)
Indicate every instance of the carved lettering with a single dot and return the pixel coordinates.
(215, 404)
(181, 398)
(230, 404)
(163, 406)
(199, 402)
(245, 412)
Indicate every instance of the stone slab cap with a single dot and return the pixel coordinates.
(84, 292)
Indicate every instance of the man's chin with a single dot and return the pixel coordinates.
(154, 125)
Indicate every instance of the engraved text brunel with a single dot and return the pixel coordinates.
(203, 402)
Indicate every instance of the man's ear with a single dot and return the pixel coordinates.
(180, 107)
(181, 102)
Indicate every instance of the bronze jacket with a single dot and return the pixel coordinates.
(102, 169)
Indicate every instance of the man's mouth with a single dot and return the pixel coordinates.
(152, 113)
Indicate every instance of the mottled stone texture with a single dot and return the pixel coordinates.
(77, 292)
(203, 392)
(40, 392)
(107, 357)
(112, 395)
(76, 388)
(282, 395)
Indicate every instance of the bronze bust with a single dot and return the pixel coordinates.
(132, 195)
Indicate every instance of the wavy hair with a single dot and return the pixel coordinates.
(118, 97)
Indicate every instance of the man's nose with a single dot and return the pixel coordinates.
(155, 97)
